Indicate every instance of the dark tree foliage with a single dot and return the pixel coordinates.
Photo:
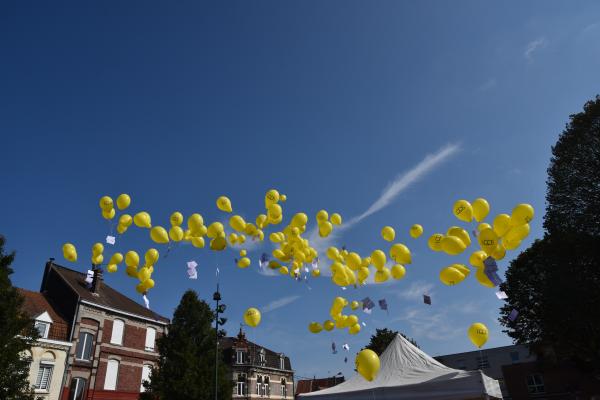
(382, 338)
(573, 194)
(186, 367)
(17, 335)
(555, 284)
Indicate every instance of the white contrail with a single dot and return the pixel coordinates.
(275, 304)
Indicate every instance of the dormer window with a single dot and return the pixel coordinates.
(42, 324)
(281, 361)
(239, 356)
(261, 356)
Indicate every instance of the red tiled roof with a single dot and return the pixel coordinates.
(312, 385)
(35, 304)
(107, 296)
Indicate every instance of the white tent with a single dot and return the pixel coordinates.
(408, 373)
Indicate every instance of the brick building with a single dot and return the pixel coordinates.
(49, 354)
(312, 385)
(112, 336)
(257, 372)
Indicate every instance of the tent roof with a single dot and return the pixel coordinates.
(408, 373)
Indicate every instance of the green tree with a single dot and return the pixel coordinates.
(186, 366)
(554, 283)
(17, 335)
(382, 338)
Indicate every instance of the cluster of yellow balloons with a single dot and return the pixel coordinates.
(326, 223)
(252, 317)
(454, 274)
(143, 274)
(340, 321)
(367, 364)
(478, 334)
(107, 205)
(69, 252)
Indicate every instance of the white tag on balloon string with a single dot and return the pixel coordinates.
(147, 302)
(501, 295)
(363, 324)
(343, 287)
(110, 240)
(192, 264)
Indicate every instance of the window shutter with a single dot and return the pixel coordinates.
(117, 332)
(112, 371)
(150, 338)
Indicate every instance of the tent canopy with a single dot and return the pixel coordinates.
(408, 373)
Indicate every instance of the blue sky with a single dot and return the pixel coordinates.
(329, 102)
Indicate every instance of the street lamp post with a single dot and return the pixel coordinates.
(218, 321)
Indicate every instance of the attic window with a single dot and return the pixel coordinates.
(43, 328)
(261, 356)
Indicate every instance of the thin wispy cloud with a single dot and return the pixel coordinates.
(533, 46)
(416, 291)
(402, 182)
(275, 304)
(434, 326)
(488, 85)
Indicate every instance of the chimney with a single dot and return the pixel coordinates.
(97, 280)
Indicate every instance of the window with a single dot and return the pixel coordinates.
(117, 332)
(267, 386)
(535, 384)
(77, 391)
(42, 328)
(146, 369)
(283, 388)
(239, 356)
(44, 376)
(241, 386)
(84, 346)
(150, 338)
(482, 362)
(259, 385)
(281, 362)
(261, 356)
(112, 371)
(514, 356)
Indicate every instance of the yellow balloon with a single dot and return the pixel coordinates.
(132, 259)
(151, 256)
(195, 223)
(333, 253)
(462, 268)
(476, 259)
(131, 271)
(462, 210)
(69, 252)
(435, 242)
(336, 219)
(478, 334)
(322, 216)
(354, 305)
(382, 275)
(198, 242)
(501, 224)
(453, 245)
(271, 197)
(400, 253)
(261, 221)
(144, 274)
(367, 364)
(353, 261)
(142, 219)
(482, 226)
(483, 279)
(339, 303)
(388, 233)
(224, 204)
(398, 271)
(488, 240)
(98, 259)
(316, 273)
(218, 244)
(140, 288)
(125, 220)
(148, 283)
(237, 223)
(106, 203)
(499, 253)
(274, 211)
(158, 234)
(521, 214)
(116, 258)
(97, 248)
(451, 276)
(517, 233)
(176, 233)
(325, 229)
(121, 229)
(415, 231)
(250, 229)
(243, 262)
(282, 198)
(481, 209)
(123, 201)
(110, 214)
(328, 325)
(378, 259)
(315, 327)
(299, 220)
(508, 245)
(460, 233)
(354, 329)
(252, 317)
(176, 218)
(363, 274)
(112, 268)
(214, 230)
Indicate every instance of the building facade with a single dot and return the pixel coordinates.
(112, 337)
(312, 385)
(256, 371)
(49, 354)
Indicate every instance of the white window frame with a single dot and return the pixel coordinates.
(267, 386)
(79, 381)
(43, 335)
(534, 387)
(283, 388)
(111, 378)
(44, 365)
(150, 339)
(259, 385)
(83, 346)
(242, 383)
(261, 356)
(282, 362)
(116, 337)
(239, 356)
(145, 367)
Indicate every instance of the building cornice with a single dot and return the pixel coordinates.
(125, 313)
